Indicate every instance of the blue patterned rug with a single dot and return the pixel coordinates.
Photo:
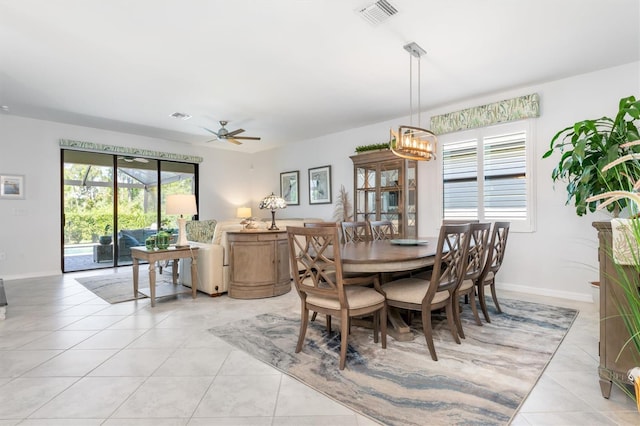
(482, 381)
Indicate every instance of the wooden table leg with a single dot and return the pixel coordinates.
(399, 329)
(135, 277)
(152, 282)
(174, 271)
(194, 276)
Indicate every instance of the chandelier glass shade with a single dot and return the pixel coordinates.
(414, 142)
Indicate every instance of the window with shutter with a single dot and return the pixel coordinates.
(485, 175)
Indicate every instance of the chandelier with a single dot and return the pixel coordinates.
(413, 142)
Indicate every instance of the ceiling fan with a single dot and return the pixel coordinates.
(224, 134)
(132, 159)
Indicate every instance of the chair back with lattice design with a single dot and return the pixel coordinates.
(478, 250)
(497, 247)
(382, 230)
(355, 232)
(317, 248)
(451, 260)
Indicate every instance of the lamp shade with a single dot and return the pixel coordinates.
(182, 204)
(243, 212)
(273, 202)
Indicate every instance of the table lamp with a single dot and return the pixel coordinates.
(273, 202)
(182, 204)
(244, 213)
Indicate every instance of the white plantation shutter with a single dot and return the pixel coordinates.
(460, 179)
(505, 167)
(485, 175)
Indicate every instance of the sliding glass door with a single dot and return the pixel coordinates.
(111, 203)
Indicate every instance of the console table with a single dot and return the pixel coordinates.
(614, 360)
(259, 263)
(153, 256)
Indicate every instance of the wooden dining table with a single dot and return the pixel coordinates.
(384, 256)
(387, 258)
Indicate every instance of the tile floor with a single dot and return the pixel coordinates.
(69, 358)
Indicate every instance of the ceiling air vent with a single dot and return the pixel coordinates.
(180, 116)
(377, 12)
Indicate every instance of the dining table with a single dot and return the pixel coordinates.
(387, 257)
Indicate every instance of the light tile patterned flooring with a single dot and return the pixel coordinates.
(69, 358)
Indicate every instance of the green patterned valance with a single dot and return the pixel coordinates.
(113, 149)
(481, 116)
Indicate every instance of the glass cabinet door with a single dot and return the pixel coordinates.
(366, 206)
(385, 188)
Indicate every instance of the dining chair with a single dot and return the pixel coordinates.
(317, 225)
(381, 230)
(495, 256)
(355, 232)
(416, 294)
(459, 221)
(322, 287)
(477, 258)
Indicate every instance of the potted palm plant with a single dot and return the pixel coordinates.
(586, 147)
(107, 238)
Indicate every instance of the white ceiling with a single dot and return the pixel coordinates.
(287, 70)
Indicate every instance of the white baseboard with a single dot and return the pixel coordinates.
(579, 297)
(32, 275)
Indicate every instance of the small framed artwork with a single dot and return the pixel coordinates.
(289, 188)
(12, 187)
(320, 185)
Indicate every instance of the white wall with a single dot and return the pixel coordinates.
(30, 236)
(558, 259)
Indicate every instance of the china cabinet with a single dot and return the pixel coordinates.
(386, 188)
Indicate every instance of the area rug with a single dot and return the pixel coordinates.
(117, 288)
(481, 381)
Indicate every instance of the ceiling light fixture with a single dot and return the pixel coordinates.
(410, 142)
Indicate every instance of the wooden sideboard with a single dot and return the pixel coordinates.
(259, 264)
(614, 364)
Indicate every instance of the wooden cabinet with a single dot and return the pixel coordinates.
(259, 262)
(613, 332)
(386, 188)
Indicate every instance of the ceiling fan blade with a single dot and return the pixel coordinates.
(232, 140)
(211, 131)
(253, 138)
(235, 132)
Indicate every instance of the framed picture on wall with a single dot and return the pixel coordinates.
(289, 187)
(320, 185)
(12, 187)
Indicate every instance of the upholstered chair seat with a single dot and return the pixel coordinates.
(357, 297)
(412, 290)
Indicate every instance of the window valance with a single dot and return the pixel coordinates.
(114, 149)
(485, 115)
